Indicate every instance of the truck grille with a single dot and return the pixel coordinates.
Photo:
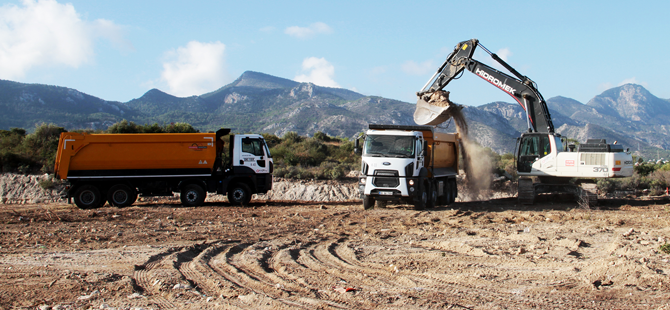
(386, 178)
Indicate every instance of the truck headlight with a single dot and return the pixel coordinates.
(411, 189)
(411, 182)
(363, 180)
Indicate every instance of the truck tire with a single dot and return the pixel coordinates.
(239, 194)
(88, 197)
(193, 195)
(432, 196)
(446, 192)
(121, 195)
(420, 204)
(368, 202)
(454, 191)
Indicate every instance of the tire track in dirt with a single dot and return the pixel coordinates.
(143, 275)
(204, 279)
(303, 272)
(297, 276)
(249, 284)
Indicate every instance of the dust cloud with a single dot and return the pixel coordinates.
(476, 162)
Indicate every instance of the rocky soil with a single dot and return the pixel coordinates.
(491, 254)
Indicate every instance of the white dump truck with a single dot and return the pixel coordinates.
(408, 164)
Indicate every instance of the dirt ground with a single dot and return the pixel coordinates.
(472, 255)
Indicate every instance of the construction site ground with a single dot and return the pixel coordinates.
(492, 254)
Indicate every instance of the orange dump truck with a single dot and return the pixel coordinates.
(116, 168)
(409, 164)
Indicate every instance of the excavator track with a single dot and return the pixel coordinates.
(526, 191)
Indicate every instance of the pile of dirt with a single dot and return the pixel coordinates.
(21, 189)
(314, 190)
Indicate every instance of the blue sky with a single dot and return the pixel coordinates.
(118, 50)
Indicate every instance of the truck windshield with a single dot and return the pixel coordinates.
(389, 146)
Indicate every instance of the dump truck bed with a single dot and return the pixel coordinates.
(443, 150)
(135, 155)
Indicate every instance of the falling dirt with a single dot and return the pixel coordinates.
(286, 255)
(475, 160)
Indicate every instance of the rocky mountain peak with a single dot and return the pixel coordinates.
(632, 102)
(262, 80)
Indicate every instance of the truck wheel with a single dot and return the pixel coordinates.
(193, 195)
(423, 199)
(454, 191)
(239, 194)
(444, 199)
(121, 195)
(448, 192)
(432, 197)
(88, 197)
(368, 202)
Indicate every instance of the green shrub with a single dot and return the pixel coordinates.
(46, 183)
(645, 169)
(124, 126)
(605, 185)
(665, 248)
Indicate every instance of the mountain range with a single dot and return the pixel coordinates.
(261, 103)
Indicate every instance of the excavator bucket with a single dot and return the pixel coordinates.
(436, 110)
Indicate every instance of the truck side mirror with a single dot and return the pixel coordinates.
(425, 148)
(357, 147)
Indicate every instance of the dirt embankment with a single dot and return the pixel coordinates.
(22, 189)
(26, 189)
(19, 188)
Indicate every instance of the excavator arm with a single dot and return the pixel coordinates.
(520, 87)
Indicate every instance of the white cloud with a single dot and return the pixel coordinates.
(308, 32)
(318, 71)
(633, 80)
(604, 86)
(47, 33)
(413, 68)
(504, 53)
(195, 69)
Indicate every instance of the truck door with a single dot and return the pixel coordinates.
(253, 155)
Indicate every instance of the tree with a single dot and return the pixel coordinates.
(124, 126)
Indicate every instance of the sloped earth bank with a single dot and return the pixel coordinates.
(21, 189)
(493, 254)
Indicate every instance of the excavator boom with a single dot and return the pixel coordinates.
(521, 88)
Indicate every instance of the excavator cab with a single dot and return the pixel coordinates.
(532, 146)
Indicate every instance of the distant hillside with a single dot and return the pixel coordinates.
(258, 102)
(24, 105)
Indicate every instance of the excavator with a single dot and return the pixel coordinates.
(545, 161)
